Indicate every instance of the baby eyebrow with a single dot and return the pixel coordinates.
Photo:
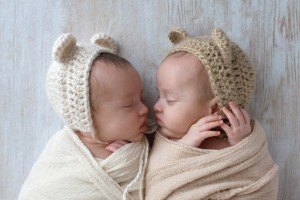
(171, 92)
(130, 95)
(168, 92)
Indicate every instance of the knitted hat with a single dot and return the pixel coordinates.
(231, 75)
(68, 78)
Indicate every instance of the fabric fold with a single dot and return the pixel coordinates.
(243, 171)
(67, 170)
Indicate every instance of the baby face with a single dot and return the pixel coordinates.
(183, 97)
(119, 113)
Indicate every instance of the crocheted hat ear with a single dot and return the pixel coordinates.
(105, 41)
(64, 48)
(223, 43)
(177, 34)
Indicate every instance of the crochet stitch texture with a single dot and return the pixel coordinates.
(68, 78)
(231, 75)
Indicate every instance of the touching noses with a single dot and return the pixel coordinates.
(143, 109)
(157, 107)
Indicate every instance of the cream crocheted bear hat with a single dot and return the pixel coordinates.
(231, 75)
(68, 78)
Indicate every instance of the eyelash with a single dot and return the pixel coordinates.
(128, 106)
(134, 103)
(170, 102)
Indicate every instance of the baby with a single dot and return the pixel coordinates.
(202, 83)
(183, 87)
(101, 152)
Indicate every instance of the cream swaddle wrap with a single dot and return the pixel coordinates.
(67, 170)
(243, 171)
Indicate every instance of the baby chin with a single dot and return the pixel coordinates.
(138, 137)
(169, 133)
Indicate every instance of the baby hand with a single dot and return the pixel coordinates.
(240, 127)
(114, 146)
(202, 130)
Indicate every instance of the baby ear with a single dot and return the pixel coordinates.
(223, 43)
(213, 105)
(105, 41)
(176, 35)
(64, 48)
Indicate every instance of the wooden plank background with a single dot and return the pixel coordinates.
(269, 31)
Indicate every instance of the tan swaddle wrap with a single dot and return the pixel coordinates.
(67, 170)
(244, 171)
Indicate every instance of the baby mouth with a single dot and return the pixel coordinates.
(144, 124)
(159, 122)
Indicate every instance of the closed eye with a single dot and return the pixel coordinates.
(170, 102)
(127, 106)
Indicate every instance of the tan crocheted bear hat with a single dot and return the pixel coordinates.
(68, 78)
(231, 75)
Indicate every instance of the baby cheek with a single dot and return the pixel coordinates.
(131, 118)
(185, 120)
(173, 119)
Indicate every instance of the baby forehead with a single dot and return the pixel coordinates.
(182, 60)
(181, 66)
(107, 77)
(102, 70)
(110, 65)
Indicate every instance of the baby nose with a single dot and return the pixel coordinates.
(143, 110)
(157, 107)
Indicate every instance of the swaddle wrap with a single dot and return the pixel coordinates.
(244, 171)
(67, 170)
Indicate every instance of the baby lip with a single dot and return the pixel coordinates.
(144, 123)
(158, 120)
(157, 117)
